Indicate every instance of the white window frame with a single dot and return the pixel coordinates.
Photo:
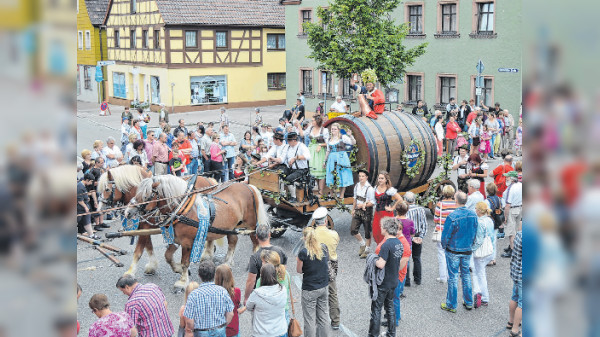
(80, 39)
(88, 40)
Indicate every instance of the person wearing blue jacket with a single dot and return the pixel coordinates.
(458, 238)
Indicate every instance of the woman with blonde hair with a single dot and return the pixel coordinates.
(87, 160)
(224, 278)
(485, 229)
(283, 277)
(386, 198)
(442, 209)
(312, 263)
(337, 162)
(188, 290)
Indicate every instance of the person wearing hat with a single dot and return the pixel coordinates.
(460, 165)
(275, 155)
(362, 211)
(258, 118)
(331, 239)
(295, 157)
(513, 198)
(375, 97)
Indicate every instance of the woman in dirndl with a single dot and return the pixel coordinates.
(316, 140)
(337, 160)
(478, 170)
(386, 198)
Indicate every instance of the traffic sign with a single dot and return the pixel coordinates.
(105, 63)
(477, 91)
(508, 70)
(479, 67)
(479, 81)
(99, 77)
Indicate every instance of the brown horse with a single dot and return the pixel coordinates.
(237, 205)
(118, 186)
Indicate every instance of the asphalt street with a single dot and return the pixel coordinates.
(421, 313)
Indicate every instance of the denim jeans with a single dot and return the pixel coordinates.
(492, 141)
(385, 299)
(517, 294)
(211, 333)
(228, 169)
(397, 292)
(441, 254)
(192, 167)
(458, 263)
(480, 278)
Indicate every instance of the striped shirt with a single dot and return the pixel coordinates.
(208, 305)
(442, 210)
(417, 214)
(516, 261)
(147, 308)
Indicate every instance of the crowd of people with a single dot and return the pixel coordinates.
(468, 223)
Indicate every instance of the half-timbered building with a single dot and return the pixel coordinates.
(192, 54)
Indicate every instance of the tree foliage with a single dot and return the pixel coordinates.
(353, 35)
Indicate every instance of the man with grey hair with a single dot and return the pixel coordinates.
(111, 151)
(257, 118)
(474, 195)
(458, 237)
(263, 235)
(389, 259)
(338, 106)
(416, 213)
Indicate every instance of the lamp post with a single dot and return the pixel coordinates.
(172, 97)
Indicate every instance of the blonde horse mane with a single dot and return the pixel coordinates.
(125, 177)
(171, 187)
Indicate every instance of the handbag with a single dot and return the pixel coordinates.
(486, 248)
(437, 235)
(294, 329)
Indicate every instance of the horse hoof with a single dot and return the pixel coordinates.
(177, 290)
(150, 273)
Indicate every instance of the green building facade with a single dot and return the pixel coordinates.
(459, 34)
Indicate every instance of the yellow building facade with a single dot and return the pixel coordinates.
(224, 60)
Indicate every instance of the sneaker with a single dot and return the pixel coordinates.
(95, 237)
(468, 307)
(477, 300)
(507, 249)
(500, 236)
(484, 304)
(335, 326)
(361, 250)
(103, 225)
(365, 253)
(447, 308)
(402, 295)
(441, 280)
(507, 254)
(98, 228)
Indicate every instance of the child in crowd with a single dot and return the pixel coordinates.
(188, 290)
(239, 167)
(176, 164)
(485, 146)
(224, 278)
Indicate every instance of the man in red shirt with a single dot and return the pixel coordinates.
(185, 147)
(498, 174)
(401, 271)
(472, 115)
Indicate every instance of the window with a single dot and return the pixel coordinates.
(191, 39)
(415, 83)
(325, 78)
(221, 39)
(276, 81)
(88, 40)
(155, 89)
(307, 82)
(485, 16)
(132, 40)
(275, 41)
(145, 39)
(156, 39)
(447, 89)
(117, 38)
(306, 16)
(87, 79)
(133, 7)
(80, 40)
(346, 88)
(449, 18)
(119, 85)
(416, 19)
(208, 89)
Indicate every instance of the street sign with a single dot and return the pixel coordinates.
(479, 81)
(508, 70)
(479, 67)
(478, 91)
(99, 77)
(105, 63)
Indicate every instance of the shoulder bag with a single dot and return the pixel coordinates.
(294, 329)
(437, 235)
(486, 248)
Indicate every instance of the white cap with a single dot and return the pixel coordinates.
(320, 213)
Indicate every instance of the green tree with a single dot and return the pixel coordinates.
(353, 35)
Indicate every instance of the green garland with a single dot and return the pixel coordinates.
(430, 195)
(412, 171)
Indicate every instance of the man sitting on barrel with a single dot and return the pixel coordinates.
(375, 97)
(295, 157)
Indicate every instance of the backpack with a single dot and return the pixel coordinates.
(497, 211)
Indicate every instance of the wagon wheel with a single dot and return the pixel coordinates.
(281, 229)
(438, 192)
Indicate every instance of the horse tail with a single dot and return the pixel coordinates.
(261, 213)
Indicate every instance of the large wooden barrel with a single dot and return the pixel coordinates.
(381, 143)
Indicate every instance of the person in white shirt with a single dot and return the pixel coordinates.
(295, 157)
(111, 152)
(274, 156)
(362, 210)
(339, 105)
(439, 135)
(513, 197)
(474, 196)
(142, 117)
(460, 165)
